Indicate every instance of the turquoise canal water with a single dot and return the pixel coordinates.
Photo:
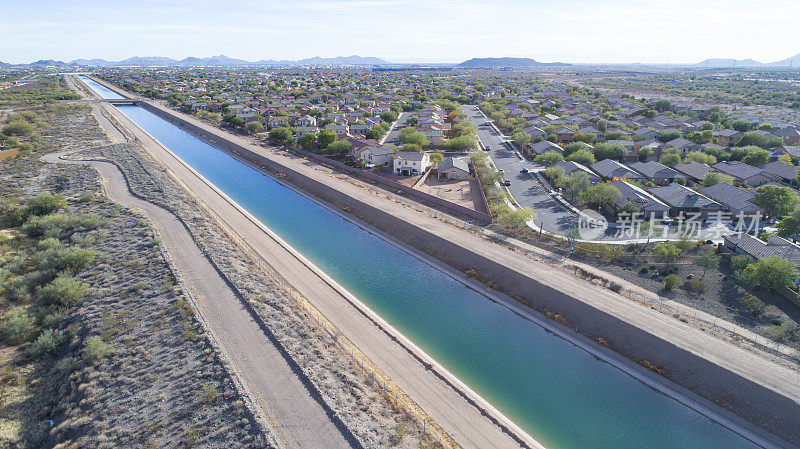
(563, 396)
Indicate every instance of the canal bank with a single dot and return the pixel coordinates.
(323, 189)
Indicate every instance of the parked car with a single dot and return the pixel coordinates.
(501, 170)
(524, 170)
(487, 148)
(506, 183)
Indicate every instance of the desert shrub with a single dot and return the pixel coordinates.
(67, 365)
(671, 281)
(209, 394)
(752, 304)
(86, 197)
(609, 253)
(782, 331)
(684, 243)
(64, 291)
(95, 349)
(47, 343)
(12, 214)
(60, 225)
(46, 203)
(696, 286)
(667, 252)
(61, 258)
(17, 326)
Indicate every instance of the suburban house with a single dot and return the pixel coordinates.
(743, 173)
(728, 137)
(682, 199)
(277, 120)
(647, 204)
(453, 168)
(303, 129)
(411, 163)
(534, 132)
(657, 173)
(359, 129)
(374, 155)
(610, 169)
(790, 136)
(783, 172)
(305, 120)
(744, 243)
(564, 134)
(693, 171)
(339, 130)
(738, 201)
(571, 167)
(545, 146)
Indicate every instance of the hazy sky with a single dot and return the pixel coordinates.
(407, 30)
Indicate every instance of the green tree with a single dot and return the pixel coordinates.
(700, 157)
(461, 143)
(773, 272)
(553, 174)
(522, 140)
(600, 194)
(776, 201)
(280, 134)
(411, 135)
(389, 116)
(666, 136)
(574, 184)
(756, 158)
(609, 151)
(707, 259)
(713, 178)
(436, 158)
(549, 158)
(308, 141)
(255, 127)
(789, 226)
(326, 137)
(670, 159)
(339, 147)
(584, 157)
(662, 105)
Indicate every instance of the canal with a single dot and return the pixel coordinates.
(561, 395)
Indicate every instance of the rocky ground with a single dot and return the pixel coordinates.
(161, 383)
(341, 383)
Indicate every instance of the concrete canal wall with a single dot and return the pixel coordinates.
(757, 403)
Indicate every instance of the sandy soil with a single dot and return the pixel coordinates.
(455, 191)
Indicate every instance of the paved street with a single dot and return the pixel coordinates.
(393, 136)
(525, 188)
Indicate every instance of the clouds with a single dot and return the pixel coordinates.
(571, 30)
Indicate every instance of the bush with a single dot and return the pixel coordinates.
(46, 203)
(18, 128)
(740, 262)
(63, 291)
(752, 304)
(95, 349)
(696, 286)
(667, 252)
(17, 326)
(671, 281)
(60, 258)
(47, 343)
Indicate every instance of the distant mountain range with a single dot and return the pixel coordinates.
(794, 62)
(500, 63)
(213, 61)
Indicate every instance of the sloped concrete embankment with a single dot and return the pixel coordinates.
(746, 397)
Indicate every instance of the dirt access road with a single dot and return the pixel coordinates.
(297, 418)
(450, 403)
